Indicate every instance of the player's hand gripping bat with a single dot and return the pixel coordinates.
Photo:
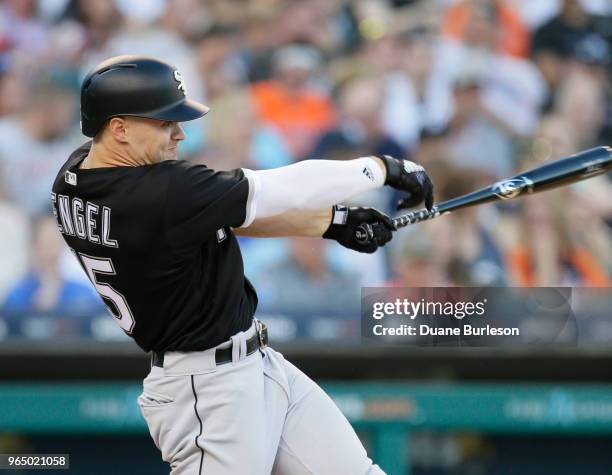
(564, 171)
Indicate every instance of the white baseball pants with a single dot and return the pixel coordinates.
(257, 415)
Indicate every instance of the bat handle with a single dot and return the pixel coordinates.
(416, 217)
(364, 233)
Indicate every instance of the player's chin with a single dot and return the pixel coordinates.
(171, 153)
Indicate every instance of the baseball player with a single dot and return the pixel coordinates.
(156, 236)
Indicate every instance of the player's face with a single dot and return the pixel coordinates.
(154, 141)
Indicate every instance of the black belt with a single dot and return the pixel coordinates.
(224, 355)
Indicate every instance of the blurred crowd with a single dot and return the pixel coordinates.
(475, 90)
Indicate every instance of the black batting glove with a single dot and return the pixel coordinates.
(410, 177)
(347, 221)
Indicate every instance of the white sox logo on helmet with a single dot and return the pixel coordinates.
(181, 82)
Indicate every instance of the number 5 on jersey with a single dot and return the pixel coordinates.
(94, 266)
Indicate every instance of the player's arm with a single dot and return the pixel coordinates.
(311, 222)
(319, 184)
(338, 223)
(292, 200)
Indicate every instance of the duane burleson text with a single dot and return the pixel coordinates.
(426, 330)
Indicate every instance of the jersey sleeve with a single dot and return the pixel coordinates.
(200, 201)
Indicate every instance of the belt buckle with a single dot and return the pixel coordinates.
(262, 333)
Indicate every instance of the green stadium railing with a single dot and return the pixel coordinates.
(389, 411)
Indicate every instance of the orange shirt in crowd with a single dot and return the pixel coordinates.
(589, 270)
(514, 35)
(300, 118)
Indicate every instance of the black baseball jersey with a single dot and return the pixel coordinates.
(156, 241)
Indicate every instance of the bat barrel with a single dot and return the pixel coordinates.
(572, 169)
(577, 167)
(550, 175)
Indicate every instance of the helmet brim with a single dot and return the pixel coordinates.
(184, 111)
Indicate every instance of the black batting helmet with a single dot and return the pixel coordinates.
(137, 86)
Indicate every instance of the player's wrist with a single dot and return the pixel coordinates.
(380, 164)
(339, 216)
(393, 170)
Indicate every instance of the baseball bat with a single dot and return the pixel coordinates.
(572, 169)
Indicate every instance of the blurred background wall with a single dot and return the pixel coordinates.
(475, 90)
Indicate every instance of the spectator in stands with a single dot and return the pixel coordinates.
(310, 285)
(35, 143)
(237, 140)
(574, 33)
(563, 251)
(561, 34)
(414, 103)
(260, 39)
(14, 251)
(291, 102)
(187, 18)
(308, 21)
(476, 258)
(475, 139)
(12, 92)
(474, 254)
(44, 289)
(433, 153)
(416, 258)
(359, 130)
(512, 36)
(512, 89)
(92, 24)
(22, 31)
(328, 26)
(219, 65)
(581, 100)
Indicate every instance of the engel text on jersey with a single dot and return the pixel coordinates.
(79, 218)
